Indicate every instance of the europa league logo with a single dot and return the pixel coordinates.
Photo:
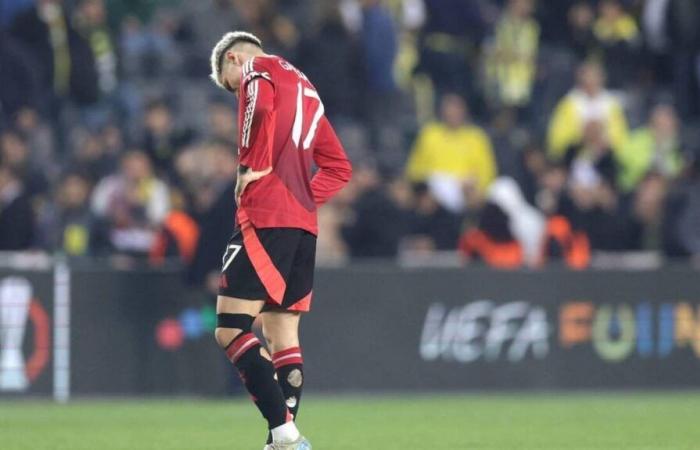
(15, 300)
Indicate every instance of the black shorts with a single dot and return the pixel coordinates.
(272, 264)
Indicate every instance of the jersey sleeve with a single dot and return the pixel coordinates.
(256, 123)
(334, 168)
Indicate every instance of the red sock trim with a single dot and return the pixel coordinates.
(286, 352)
(287, 357)
(240, 345)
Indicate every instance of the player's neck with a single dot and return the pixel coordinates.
(256, 53)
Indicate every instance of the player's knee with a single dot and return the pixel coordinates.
(230, 326)
(269, 336)
(278, 340)
(224, 336)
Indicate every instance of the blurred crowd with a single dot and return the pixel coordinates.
(512, 132)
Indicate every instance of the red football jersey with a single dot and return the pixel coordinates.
(281, 124)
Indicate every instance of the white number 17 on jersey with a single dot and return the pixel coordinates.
(299, 117)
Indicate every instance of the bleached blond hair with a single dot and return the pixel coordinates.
(227, 41)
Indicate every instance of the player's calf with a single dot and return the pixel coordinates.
(243, 349)
(289, 365)
(281, 333)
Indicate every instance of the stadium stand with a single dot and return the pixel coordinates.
(114, 142)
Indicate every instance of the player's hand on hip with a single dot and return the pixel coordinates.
(247, 177)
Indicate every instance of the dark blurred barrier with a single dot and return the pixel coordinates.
(385, 328)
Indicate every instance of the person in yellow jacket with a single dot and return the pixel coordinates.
(587, 101)
(510, 60)
(614, 24)
(451, 153)
(653, 148)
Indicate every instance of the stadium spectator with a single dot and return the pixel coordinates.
(339, 215)
(509, 135)
(511, 58)
(655, 147)
(379, 46)
(91, 23)
(551, 183)
(587, 101)
(432, 227)
(201, 24)
(278, 31)
(453, 31)
(580, 38)
(562, 240)
(366, 232)
(178, 235)
(19, 87)
(91, 155)
(331, 249)
(683, 33)
(16, 214)
(63, 60)
(67, 225)
(491, 240)
(654, 18)
(330, 57)
(146, 50)
(16, 155)
(214, 209)
(9, 10)
(618, 41)
(222, 123)
(161, 138)
(132, 203)
(553, 20)
(529, 166)
(112, 139)
(682, 234)
(592, 160)
(451, 153)
(647, 213)
(595, 207)
(40, 140)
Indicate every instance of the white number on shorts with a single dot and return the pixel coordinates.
(299, 117)
(227, 261)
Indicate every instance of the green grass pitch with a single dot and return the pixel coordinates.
(639, 421)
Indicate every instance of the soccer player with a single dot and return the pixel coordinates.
(268, 264)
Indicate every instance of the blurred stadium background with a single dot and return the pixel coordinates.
(524, 218)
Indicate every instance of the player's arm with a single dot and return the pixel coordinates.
(255, 133)
(334, 168)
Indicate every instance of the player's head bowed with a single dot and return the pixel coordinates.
(224, 46)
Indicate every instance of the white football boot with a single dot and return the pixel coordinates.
(300, 444)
